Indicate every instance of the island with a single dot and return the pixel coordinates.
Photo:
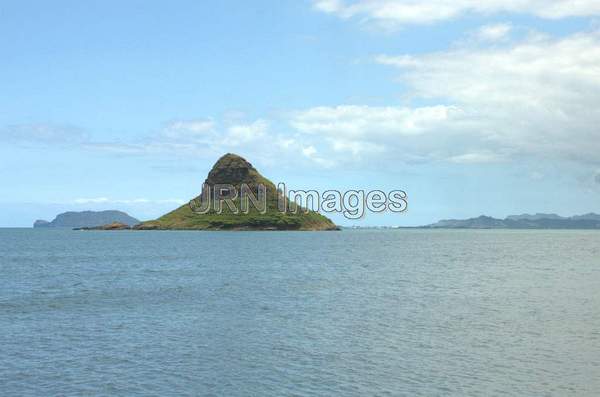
(87, 219)
(233, 170)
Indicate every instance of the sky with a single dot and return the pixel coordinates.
(470, 106)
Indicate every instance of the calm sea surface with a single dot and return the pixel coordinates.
(351, 313)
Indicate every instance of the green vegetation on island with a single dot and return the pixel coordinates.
(233, 170)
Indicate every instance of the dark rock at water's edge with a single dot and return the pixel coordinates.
(111, 226)
(87, 219)
(525, 221)
(234, 170)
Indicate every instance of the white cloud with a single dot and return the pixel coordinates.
(244, 133)
(357, 148)
(329, 5)
(187, 129)
(192, 137)
(285, 143)
(476, 158)
(356, 122)
(202, 134)
(494, 32)
(398, 60)
(95, 200)
(210, 139)
(196, 126)
(357, 132)
(309, 151)
(394, 13)
(535, 97)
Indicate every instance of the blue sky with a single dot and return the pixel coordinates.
(471, 107)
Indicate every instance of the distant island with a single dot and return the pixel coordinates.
(525, 221)
(87, 219)
(235, 171)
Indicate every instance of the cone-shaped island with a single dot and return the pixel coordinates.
(234, 170)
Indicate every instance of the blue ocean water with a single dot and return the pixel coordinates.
(351, 313)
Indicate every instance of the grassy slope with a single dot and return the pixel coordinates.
(183, 218)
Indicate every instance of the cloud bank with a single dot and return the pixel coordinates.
(397, 13)
(535, 97)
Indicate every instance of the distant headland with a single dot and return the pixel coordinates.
(525, 221)
(87, 219)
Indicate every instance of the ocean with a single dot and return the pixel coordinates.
(349, 313)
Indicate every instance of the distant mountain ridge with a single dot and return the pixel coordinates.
(590, 217)
(524, 221)
(535, 217)
(87, 219)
